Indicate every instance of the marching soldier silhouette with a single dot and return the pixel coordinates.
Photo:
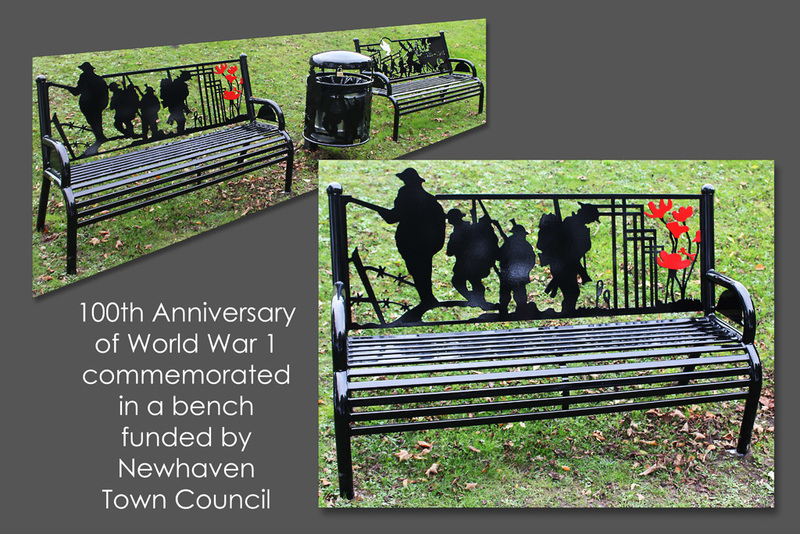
(563, 245)
(517, 259)
(125, 103)
(149, 106)
(173, 96)
(475, 249)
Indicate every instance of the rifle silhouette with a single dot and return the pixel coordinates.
(380, 209)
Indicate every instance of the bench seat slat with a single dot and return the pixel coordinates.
(539, 415)
(89, 177)
(447, 395)
(493, 344)
(591, 398)
(445, 380)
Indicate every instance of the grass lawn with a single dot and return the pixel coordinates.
(278, 68)
(661, 458)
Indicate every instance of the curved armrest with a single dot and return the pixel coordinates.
(465, 62)
(276, 109)
(744, 300)
(339, 328)
(63, 177)
(384, 82)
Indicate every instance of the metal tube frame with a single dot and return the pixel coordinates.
(354, 362)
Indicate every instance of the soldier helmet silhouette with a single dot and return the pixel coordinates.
(517, 228)
(589, 212)
(454, 215)
(86, 67)
(410, 176)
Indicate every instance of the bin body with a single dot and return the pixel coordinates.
(338, 99)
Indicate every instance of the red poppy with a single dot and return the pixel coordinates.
(233, 69)
(677, 228)
(683, 213)
(690, 256)
(675, 261)
(231, 95)
(663, 208)
(697, 237)
(231, 78)
(219, 69)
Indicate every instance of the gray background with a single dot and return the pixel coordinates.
(566, 80)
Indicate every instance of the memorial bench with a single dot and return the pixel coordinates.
(459, 361)
(136, 138)
(418, 73)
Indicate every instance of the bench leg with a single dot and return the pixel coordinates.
(396, 126)
(289, 166)
(44, 196)
(344, 457)
(480, 101)
(751, 405)
(72, 231)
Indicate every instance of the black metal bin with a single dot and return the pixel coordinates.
(338, 99)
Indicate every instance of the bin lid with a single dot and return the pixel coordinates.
(341, 58)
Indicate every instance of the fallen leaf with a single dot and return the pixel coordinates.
(473, 449)
(651, 469)
(470, 485)
(403, 455)
(432, 470)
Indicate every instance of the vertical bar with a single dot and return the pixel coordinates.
(338, 228)
(625, 251)
(636, 236)
(614, 249)
(707, 247)
(248, 93)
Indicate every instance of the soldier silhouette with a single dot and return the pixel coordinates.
(517, 259)
(125, 103)
(173, 97)
(149, 106)
(475, 249)
(93, 92)
(563, 244)
(420, 231)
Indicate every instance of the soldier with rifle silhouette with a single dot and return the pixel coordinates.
(420, 231)
(517, 259)
(173, 96)
(563, 245)
(125, 103)
(475, 249)
(149, 106)
(93, 99)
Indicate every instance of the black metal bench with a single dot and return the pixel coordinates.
(418, 73)
(136, 138)
(561, 266)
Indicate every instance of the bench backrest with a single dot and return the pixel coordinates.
(423, 260)
(106, 112)
(401, 59)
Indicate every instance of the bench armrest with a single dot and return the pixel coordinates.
(744, 301)
(339, 328)
(63, 177)
(276, 109)
(463, 62)
(382, 81)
